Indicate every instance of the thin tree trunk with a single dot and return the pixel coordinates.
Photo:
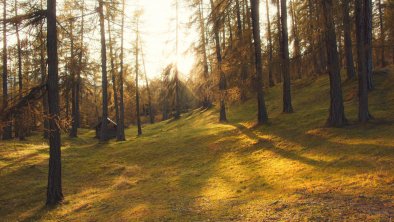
(363, 113)
(262, 115)
(287, 106)
(311, 37)
(382, 33)
(20, 117)
(43, 70)
(137, 93)
(348, 41)
(54, 189)
(222, 81)
(368, 41)
(337, 114)
(207, 102)
(297, 45)
(7, 130)
(78, 84)
(151, 115)
(177, 97)
(120, 130)
(74, 126)
(270, 49)
(104, 121)
(113, 73)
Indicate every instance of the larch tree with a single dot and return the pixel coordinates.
(287, 103)
(104, 81)
(137, 92)
(351, 74)
(361, 26)
(177, 96)
(336, 112)
(20, 131)
(7, 130)
(120, 135)
(54, 189)
(262, 115)
(222, 79)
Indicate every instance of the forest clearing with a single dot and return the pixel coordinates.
(196, 169)
(197, 110)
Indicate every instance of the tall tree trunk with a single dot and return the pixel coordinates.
(120, 130)
(241, 43)
(54, 189)
(222, 81)
(297, 44)
(382, 33)
(177, 96)
(280, 51)
(7, 130)
(114, 88)
(151, 115)
(311, 16)
(287, 106)
(337, 114)
(20, 117)
(78, 84)
(363, 113)
(368, 41)
(74, 126)
(348, 41)
(207, 102)
(262, 115)
(270, 49)
(137, 93)
(43, 70)
(104, 121)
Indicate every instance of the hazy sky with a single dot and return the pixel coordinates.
(158, 34)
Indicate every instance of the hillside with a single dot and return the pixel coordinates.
(196, 169)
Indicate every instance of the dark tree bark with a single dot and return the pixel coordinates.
(54, 189)
(382, 34)
(363, 113)
(287, 105)
(262, 115)
(114, 88)
(351, 74)
(337, 114)
(43, 71)
(137, 93)
(368, 41)
(78, 83)
(104, 122)
(239, 21)
(7, 130)
(120, 130)
(74, 123)
(20, 131)
(270, 47)
(222, 81)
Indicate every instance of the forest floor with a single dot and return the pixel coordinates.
(196, 169)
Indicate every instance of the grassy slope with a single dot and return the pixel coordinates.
(197, 169)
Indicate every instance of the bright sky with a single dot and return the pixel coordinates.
(158, 34)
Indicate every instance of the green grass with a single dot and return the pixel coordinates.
(195, 169)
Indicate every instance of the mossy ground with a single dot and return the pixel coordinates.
(196, 169)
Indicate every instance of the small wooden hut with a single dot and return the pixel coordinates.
(111, 129)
